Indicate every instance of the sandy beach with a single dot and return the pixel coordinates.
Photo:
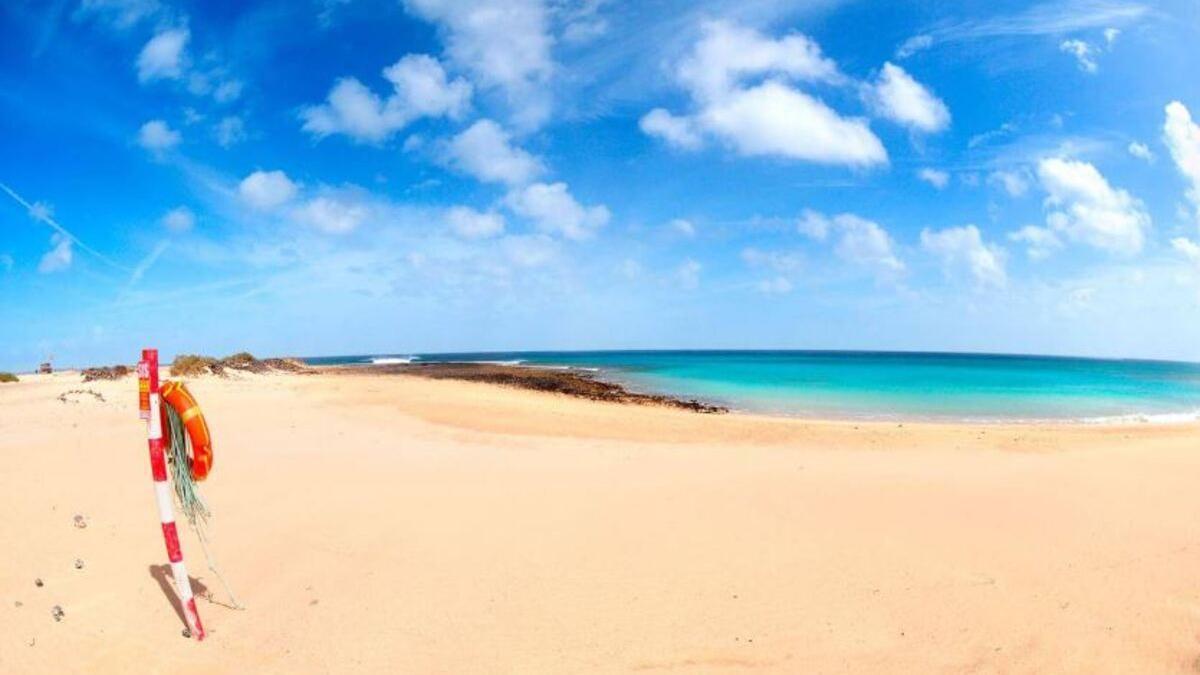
(408, 525)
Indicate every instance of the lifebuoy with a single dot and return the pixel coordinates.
(176, 395)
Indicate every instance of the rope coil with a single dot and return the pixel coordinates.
(190, 502)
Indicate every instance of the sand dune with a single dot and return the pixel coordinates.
(395, 524)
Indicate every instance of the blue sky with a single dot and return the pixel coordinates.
(358, 176)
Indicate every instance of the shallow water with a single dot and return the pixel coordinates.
(883, 385)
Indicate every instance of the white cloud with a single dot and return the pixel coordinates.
(42, 211)
(1182, 137)
(814, 225)
(59, 256)
(688, 274)
(738, 80)
(331, 214)
(1085, 208)
(553, 210)
(895, 95)
(485, 151)
(683, 226)
(964, 248)
(179, 219)
(157, 136)
(1188, 248)
(865, 243)
(503, 44)
(423, 89)
(266, 190)
(471, 224)
(214, 82)
(1039, 242)
(859, 241)
(936, 178)
(227, 91)
(420, 89)
(1084, 53)
(163, 57)
(680, 132)
(773, 119)
(1015, 183)
(1110, 36)
(1141, 151)
(728, 53)
(230, 131)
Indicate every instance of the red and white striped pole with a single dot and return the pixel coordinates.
(150, 405)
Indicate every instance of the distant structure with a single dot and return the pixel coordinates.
(46, 368)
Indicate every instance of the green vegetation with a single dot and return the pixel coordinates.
(240, 361)
(191, 365)
(8, 377)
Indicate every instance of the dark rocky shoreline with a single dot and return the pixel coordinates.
(570, 382)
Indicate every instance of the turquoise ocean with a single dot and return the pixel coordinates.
(880, 385)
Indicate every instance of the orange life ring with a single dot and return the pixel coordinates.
(176, 395)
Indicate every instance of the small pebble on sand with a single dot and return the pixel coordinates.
(58, 613)
(78, 563)
(80, 521)
(38, 583)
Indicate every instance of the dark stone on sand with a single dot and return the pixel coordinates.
(58, 613)
(38, 583)
(570, 382)
(106, 373)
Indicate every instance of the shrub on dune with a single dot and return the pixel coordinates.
(191, 365)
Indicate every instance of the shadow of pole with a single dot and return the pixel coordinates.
(166, 582)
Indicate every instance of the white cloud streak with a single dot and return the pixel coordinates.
(42, 215)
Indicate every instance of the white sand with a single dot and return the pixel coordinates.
(403, 525)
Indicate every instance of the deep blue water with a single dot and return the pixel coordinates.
(884, 385)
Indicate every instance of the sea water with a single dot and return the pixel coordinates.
(881, 385)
